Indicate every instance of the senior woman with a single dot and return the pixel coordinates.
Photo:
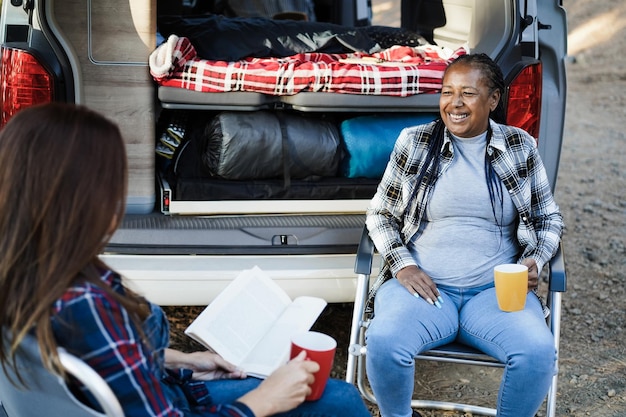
(459, 196)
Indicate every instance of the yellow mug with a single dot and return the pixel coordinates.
(511, 282)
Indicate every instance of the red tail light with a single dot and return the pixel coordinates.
(24, 82)
(524, 100)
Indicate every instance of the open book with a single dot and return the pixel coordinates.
(250, 323)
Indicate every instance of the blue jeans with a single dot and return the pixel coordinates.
(404, 326)
(340, 399)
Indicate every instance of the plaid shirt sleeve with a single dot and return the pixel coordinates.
(90, 324)
(545, 216)
(522, 171)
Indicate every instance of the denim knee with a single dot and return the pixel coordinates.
(538, 357)
(385, 346)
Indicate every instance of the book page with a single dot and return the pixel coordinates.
(240, 315)
(273, 349)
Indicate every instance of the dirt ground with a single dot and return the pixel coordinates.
(591, 191)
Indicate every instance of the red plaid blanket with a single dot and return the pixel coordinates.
(397, 71)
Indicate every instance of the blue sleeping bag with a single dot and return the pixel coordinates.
(369, 140)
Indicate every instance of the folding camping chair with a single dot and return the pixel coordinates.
(46, 393)
(451, 353)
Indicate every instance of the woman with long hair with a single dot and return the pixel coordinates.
(63, 172)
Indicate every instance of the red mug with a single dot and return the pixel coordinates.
(319, 348)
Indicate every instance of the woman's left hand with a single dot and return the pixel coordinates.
(206, 366)
(533, 273)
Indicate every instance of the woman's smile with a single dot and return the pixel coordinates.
(458, 117)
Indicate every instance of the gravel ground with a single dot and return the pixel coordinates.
(591, 192)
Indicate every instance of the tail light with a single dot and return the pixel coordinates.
(523, 107)
(24, 82)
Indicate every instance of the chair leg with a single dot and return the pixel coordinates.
(555, 326)
(447, 406)
(354, 346)
(551, 401)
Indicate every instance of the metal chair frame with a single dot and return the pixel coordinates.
(450, 353)
(46, 393)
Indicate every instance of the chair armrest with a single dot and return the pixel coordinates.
(558, 277)
(364, 254)
(93, 382)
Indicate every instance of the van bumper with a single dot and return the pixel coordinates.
(197, 279)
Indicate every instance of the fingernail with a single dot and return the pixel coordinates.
(416, 295)
(437, 304)
(440, 299)
(430, 301)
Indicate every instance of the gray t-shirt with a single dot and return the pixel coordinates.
(459, 241)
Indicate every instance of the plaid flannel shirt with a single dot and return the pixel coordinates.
(92, 325)
(396, 210)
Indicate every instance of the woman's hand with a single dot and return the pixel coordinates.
(533, 273)
(418, 283)
(206, 366)
(284, 389)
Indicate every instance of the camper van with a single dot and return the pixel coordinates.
(256, 134)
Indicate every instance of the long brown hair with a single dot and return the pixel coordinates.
(63, 174)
